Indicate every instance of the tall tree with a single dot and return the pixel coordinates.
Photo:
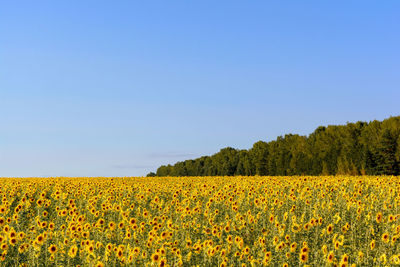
(387, 162)
(366, 148)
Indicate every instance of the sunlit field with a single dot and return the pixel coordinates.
(208, 221)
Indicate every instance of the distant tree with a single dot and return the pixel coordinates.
(325, 170)
(259, 154)
(366, 148)
(387, 162)
(342, 166)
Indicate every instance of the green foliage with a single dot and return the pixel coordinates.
(355, 148)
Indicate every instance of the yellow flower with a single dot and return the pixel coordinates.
(383, 258)
(40, 239)
(329, 229)
(72, 251)
(324, 249)
(379, 217)
(360, 255)
(345, 258)
(155, 257)
(267, 258)
(303, 257)
(385, 237)
(52, 249)
(295, 228)
(372, 244)
(395, 260)
(331, 257)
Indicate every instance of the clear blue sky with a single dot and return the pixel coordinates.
(117, 88)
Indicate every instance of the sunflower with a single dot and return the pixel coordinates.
(109, 247)
(345, 258)
(275, 240)
(331, 257)
(329, 229)
(40, 239)
(22, 248)
(303, 257)
(136, 251)
(305, 249)
(271, 218)
(155, 257)
(13, 241)
(52, 249)
(295, 228)
(111, 226)
(210, 251)
(324, 249)
(372, 244)
(379, 217)
(4, 246)
(385, 237)
(72, 251)
(393, 240)
(360, 255)
(132, 221)
(90, 249)
(267, 258)
(395, 259)
(383, 258)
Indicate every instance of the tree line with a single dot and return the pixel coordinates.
(359, 148)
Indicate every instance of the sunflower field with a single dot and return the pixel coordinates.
(200, 221)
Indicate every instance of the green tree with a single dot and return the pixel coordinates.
(387, 162)
(367, 148)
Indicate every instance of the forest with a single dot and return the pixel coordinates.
(361, 148)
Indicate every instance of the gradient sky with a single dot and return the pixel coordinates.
(117, 88)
